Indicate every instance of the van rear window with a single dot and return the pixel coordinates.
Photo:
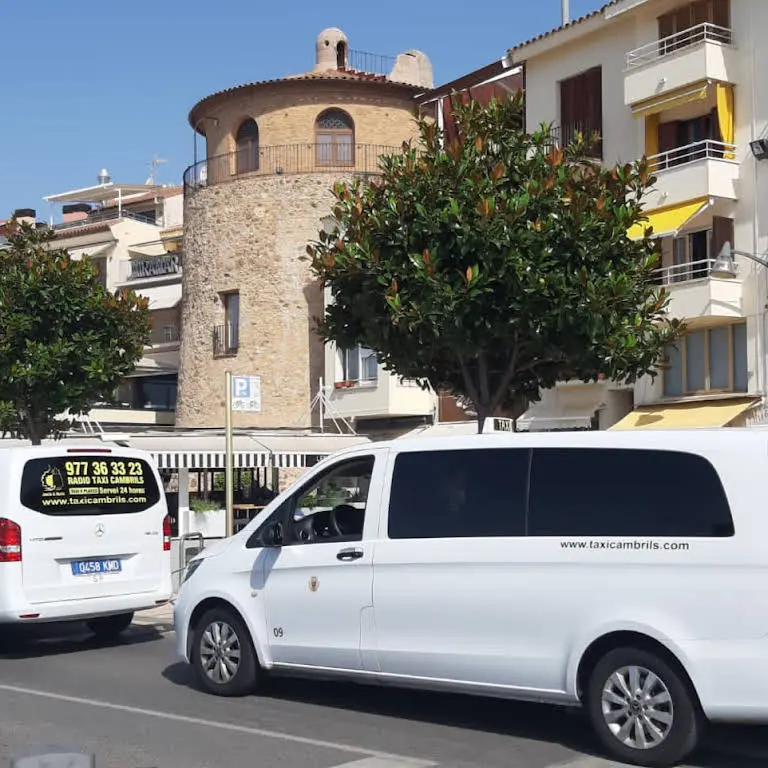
(88, 485)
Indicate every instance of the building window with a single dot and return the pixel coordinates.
(581, 108)
(335, 138)
(691, 256)
(359, 365)
(708, 360)
(226, 338)
(247, 140)
(155, 393)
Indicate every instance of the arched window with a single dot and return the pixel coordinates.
(247, 140)
(341, 55)
(335, 138)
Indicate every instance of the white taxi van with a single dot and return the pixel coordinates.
(84, 535)
(624, 572)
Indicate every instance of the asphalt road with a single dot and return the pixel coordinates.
(134, 706)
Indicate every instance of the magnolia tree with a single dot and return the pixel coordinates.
(65, 341)
(495, 266)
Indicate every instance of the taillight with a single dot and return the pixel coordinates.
(10, 541)
(166, 533)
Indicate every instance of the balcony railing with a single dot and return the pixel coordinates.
(688, 38)
(683, 273)
(107, 214)
(372, 63)
(285, 160)
(164, 334)
(226, 339)
(691, 153)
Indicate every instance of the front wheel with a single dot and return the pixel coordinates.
(641, 709)
(109, 627)
(222, 654)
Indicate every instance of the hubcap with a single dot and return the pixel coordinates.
(220, 652)
(637, 707)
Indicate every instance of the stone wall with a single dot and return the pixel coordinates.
(249, 235)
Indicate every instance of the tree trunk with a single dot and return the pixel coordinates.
(36, 430)
(484, 412)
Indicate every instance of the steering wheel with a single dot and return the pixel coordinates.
(333, 520)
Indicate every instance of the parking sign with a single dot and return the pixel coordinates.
(246, 393)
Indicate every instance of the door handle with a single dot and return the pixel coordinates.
(350, 554)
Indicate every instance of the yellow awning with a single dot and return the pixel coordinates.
(712, 413)
(668, 221)
(671, 99)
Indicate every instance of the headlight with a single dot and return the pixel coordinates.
(191, 568)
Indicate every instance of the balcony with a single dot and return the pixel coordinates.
(695, 293)
(385, 397)
(702, 169)
(226, 340)
(701, 53)
(288, 159)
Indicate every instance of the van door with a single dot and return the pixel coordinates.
(92, 526)
(447, 583)
(318, 586)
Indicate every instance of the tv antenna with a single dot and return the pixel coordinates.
(153, 165)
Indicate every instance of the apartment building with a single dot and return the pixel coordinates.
(680, 83)
(132, 232)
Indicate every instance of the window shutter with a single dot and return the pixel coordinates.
(668, 136)
(722, 233)
(721, 13)
(666, 25)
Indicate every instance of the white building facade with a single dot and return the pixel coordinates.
(133, 234)
(679, 82)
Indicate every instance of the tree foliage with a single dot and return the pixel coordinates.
(495, 266)
(65, 341)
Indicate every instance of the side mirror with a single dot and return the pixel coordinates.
(274, 535)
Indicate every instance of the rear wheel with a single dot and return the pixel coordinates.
(222, 654)
(642, 710)
(110, 627)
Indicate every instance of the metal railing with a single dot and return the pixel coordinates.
(688, 38)
(683, 273)
(226, 339)
(106, 214)
(286, 159)
(165, 334)
(372, 63)
(691, 153)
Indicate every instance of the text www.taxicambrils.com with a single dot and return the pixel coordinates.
(633, 545)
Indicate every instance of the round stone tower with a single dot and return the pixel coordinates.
(274, 148)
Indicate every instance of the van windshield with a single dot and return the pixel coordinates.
(88, 485)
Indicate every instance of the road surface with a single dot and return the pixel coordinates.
(134, 706)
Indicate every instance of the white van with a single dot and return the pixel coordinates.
(84, 535)
(623, 571)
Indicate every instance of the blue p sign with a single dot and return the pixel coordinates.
(241, 386)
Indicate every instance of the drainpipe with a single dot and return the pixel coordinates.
(566, 12)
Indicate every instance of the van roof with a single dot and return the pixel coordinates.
(678, 439)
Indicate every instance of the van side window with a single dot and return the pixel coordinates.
(331, 507)
(459, 494)
(619, 492)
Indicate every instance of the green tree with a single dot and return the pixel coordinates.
(65, 341)
(497, 265)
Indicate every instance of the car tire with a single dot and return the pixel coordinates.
(109, 627)
(634, 695)
(223, 656)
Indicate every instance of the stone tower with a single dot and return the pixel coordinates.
(273, 151)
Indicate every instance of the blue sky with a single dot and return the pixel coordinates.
(89, 85)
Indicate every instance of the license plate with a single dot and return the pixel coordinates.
(89, 567)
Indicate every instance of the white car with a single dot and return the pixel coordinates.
(624, 572)
(84, 536)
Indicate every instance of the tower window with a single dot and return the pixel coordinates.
(341, 55)
(247, 140)
(335, 138)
